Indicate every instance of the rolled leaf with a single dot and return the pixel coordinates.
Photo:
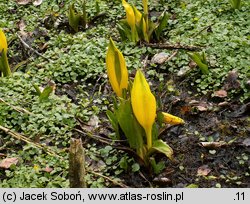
(117, 70)
(144, 105)
(200, 61)
(171, 119)
(74, 19)
(3, 41)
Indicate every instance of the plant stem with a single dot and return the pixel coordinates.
(149, 137)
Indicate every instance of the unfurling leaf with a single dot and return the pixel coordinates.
(46, 93)
(117, 70)
(171, 119)
(200, 60)
(144, 105)
(43, 95)
(74, 19)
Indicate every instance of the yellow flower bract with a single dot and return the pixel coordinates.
(3, 41)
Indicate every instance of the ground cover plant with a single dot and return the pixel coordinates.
(56, 84)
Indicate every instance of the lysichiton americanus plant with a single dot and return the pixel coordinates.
(4, 64)
(135, 110)
(80, 19)
(77, 19)
(138, 27)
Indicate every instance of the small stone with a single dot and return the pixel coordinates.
(160, 58)
(220, 94)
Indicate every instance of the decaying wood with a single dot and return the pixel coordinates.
(76, 164)
(173, 46)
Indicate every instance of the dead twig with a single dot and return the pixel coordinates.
(173, 46)
(95, 18)
(171, 56)
(142, 175)
(196, 34)
(32, 49)
(27, 140)
(107, 178)
(18, 109)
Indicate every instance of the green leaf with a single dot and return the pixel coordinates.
(46, 93)
(162, 147)
(114, 122)
(83, 18)
(157, 167)
(124, 30)
(135, 167)
(38, 91)
(162, 23)
(124, 163)
(192, 185)
(200, 61)
(97, 6)
(130, 126)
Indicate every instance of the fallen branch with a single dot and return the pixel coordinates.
(173, 46)
(27, 140)
(107, 178)
(18, 109)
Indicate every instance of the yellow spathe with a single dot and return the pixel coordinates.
(3, 41)
(116, 68)
(144, 105)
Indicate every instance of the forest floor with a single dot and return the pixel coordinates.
(212, 148)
